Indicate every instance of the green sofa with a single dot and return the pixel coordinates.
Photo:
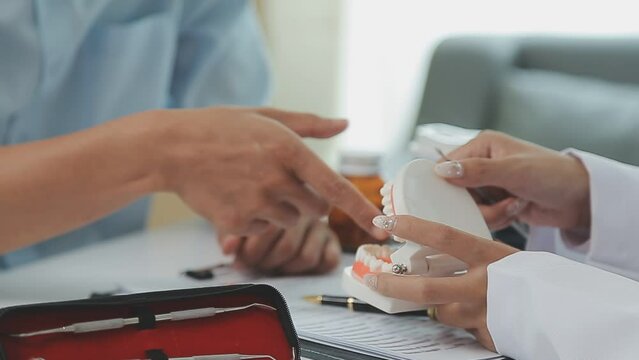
(558, 92)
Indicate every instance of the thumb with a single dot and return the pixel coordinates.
(473, 172)
(306, 125)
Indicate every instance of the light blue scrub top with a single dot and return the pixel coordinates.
(67, 65)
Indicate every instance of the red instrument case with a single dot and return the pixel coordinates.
(255, 330)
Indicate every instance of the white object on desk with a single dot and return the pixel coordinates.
(419, 192)
(430, 137)
(145, 261)
(386, 337)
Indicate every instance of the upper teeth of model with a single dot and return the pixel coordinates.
(386, 199)
(371, 256)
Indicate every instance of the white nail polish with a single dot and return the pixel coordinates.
(516, 207)
(385, 222)
(371, 281)
(449, 169)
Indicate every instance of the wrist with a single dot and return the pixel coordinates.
(580, 231)
(144, 137)
(575, 236)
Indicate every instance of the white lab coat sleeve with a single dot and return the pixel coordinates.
(614, 204)
(544, 306)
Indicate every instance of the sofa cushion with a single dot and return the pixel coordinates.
(559, 111)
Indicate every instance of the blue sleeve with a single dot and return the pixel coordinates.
(221, 57)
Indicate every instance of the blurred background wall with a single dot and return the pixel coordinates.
(367, 60)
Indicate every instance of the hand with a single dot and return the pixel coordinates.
(459, 301)
(537, 185)
(309, 247)
(247, 169)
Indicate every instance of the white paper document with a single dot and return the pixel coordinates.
(385, 336)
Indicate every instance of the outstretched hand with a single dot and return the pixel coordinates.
(247, 169)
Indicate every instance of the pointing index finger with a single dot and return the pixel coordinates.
(337, 190)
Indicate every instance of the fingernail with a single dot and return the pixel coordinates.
(339, 122)
(516, 207)
(449, 169)
(371, 281)
(379, 234)
(385, 222)
(230, 245)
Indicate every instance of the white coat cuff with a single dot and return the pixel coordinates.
(614, 194)
(544, 306)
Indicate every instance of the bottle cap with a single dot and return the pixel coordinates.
(360, 163)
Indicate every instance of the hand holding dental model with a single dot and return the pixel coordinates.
(458, 301)
(416, 191)
(524, 304)
(536, 185)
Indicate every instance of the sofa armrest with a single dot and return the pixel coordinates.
(463, 80)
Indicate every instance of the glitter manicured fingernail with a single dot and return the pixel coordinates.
(449, 169)
(516, 207)
(371, 281)
(385, 222)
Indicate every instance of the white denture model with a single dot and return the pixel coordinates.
(416, 191)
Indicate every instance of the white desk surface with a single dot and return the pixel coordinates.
(145, 261)
(150, 261)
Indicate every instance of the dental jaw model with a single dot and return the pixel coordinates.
(419, 192)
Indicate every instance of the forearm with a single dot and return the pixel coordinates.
(52, 186)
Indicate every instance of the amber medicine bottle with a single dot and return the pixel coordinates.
(363, 170)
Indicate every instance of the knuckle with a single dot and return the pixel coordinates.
(382, 284)
(275, 180)
(322, 206)
(256, 228)
(338, 189)
(330, 262)
(444, 235)
(489, 134)
(232, 222)
(284, 150)
(292, 218)
(426, 291)
(259, 203)
(311, 203)
(316, 207)
(308, 259)
(287, 248)
(280, 181)
(479, 167)
(248, 257)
